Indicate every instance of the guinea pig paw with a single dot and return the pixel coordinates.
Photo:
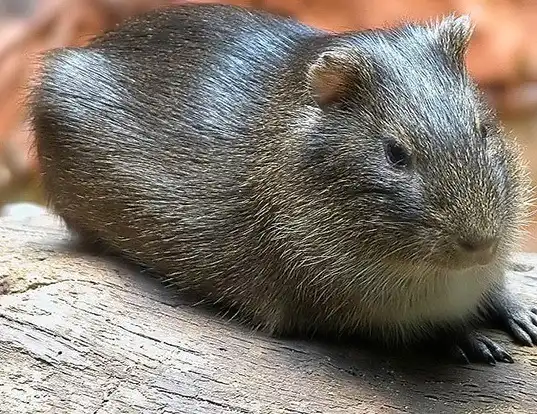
(479, 348)
(522, 324)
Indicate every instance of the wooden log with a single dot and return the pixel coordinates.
(83, 334)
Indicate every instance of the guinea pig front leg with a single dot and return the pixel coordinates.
(513, 317)
(505, 311)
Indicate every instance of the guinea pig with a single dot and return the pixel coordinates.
(313, 182)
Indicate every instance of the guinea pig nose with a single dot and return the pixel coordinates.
(482, 250)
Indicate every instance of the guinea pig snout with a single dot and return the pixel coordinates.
(480, 250)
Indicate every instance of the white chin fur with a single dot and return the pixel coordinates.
(418, 297)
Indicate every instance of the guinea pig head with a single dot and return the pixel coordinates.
(408, 144)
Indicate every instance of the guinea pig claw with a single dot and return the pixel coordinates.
(516, 319)
(458, 354)
(521, 267)
(521, 324)
(519, 332)
(479, 348)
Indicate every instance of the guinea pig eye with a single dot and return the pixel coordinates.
(396, 154)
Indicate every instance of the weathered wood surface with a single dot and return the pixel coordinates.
(80, 334)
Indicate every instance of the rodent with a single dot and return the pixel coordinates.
(314, 182)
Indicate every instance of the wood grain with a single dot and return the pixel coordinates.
(83, 334)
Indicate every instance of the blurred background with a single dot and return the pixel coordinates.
(502, 57)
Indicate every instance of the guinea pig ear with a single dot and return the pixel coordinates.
(454, 35)
(332, 75)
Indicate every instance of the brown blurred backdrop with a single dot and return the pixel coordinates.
(502, 57)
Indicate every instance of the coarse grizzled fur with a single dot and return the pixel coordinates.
(351, 183)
